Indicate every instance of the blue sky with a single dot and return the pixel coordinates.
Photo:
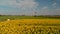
(28, 7)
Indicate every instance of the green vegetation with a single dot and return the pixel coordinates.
(12, 17)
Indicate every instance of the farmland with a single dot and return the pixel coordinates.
(29, 25)
(13, 17)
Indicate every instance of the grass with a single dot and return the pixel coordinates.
(13, 17)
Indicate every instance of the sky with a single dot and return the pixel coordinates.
(30, 7)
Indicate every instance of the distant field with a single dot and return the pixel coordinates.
(34, 21)
(13, 17)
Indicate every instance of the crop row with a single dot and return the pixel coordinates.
(4, 29)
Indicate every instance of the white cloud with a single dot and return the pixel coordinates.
(44, 11)
(56, 12)
(45, 7)
(25, 6)
(54, 5)
(24, 3)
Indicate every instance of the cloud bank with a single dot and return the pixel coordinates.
(24, 6)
